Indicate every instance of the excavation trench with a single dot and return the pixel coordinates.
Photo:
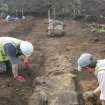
(58, 84)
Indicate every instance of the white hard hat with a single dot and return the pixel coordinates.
(26, 48)
(84, 60)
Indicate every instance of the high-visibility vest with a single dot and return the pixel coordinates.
(100, 66)
(5, 40)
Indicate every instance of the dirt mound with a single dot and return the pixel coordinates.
(54, 90)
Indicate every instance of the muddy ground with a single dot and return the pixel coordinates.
(78, 39)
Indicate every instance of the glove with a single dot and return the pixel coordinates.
(88, 94)
(27, 65)
(20, 78)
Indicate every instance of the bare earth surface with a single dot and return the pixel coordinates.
(52, 56)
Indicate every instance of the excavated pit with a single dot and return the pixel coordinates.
(52, 80)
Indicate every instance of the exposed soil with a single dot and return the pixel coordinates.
(78, 39)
